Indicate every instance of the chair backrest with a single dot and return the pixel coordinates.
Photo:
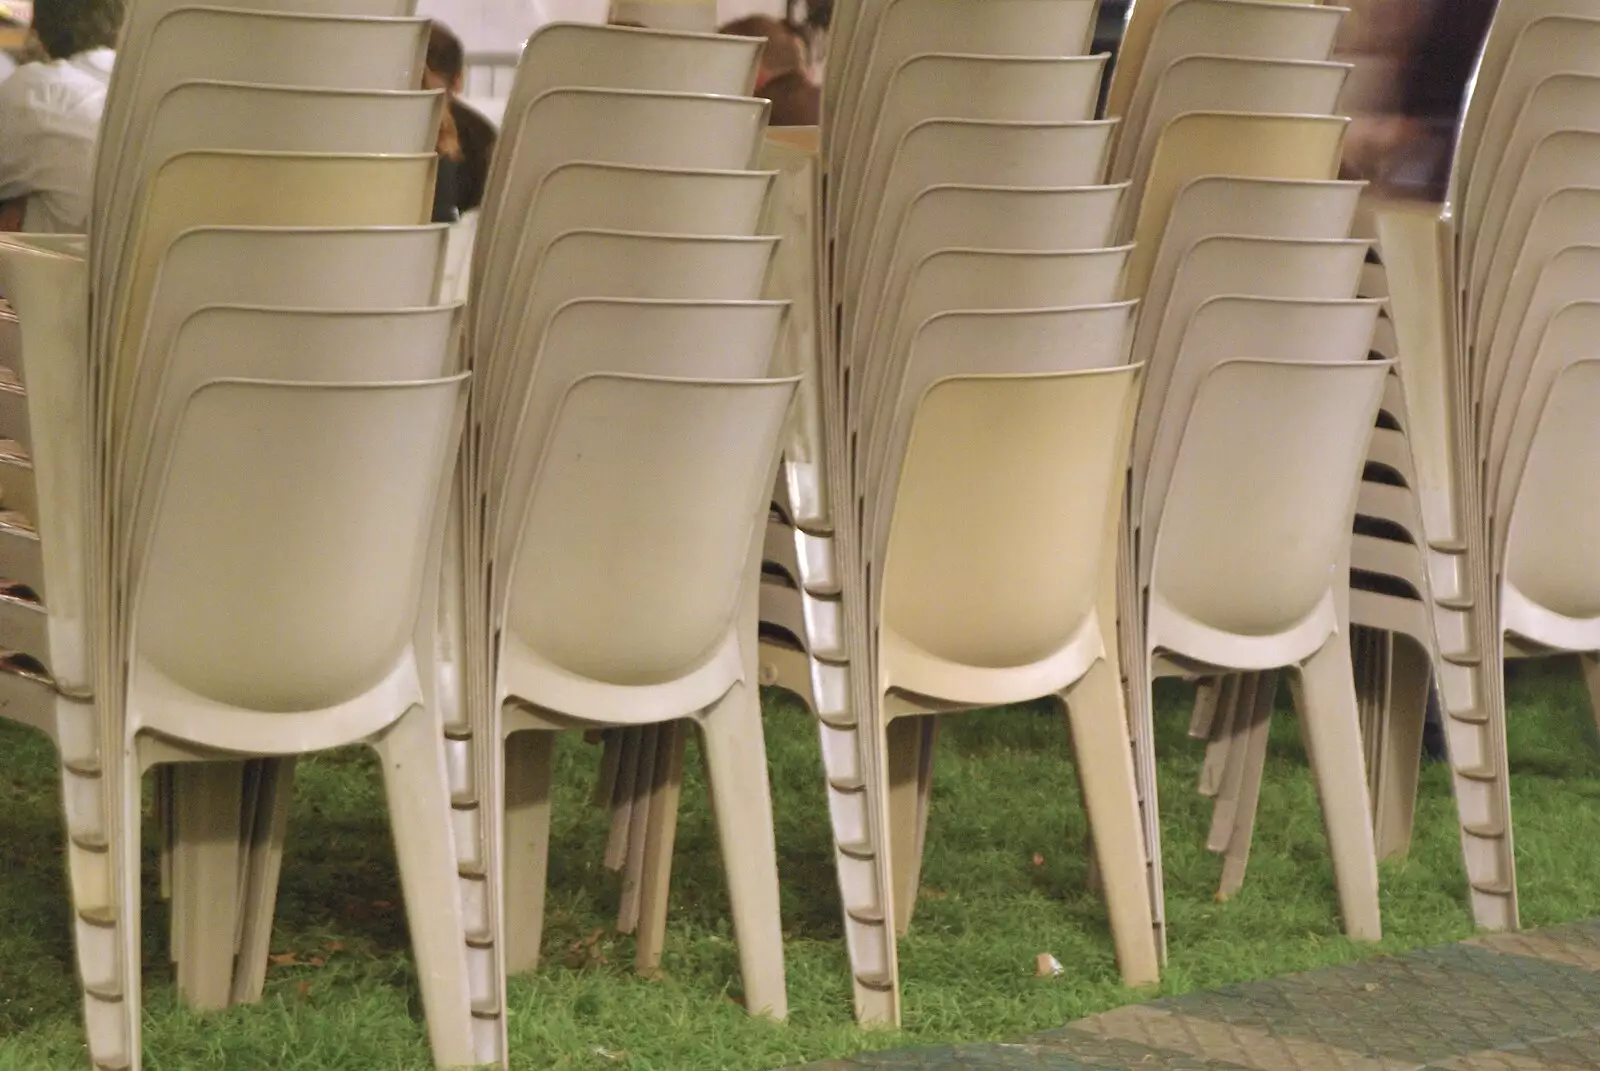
(1565, 277)
(685, 339)
(953, 86)
(237, 117)
(1510, 19)
(635, 542)
(1229, 83)
(1568, 217)
(984, 342)
(998, 573)
(1568, 338)
(1233, 144)
(950, 279)
(1260, 509)
(909, 28)
(273, 189)
(1565, 158)
(265, 48)
(1243, 264)
(613, 126)
(1309, 330)
(293, 529)
(286, 268)
(628, 198)
(1160, 32)
(592, 263)
(1267, 207)
(1549, 574)
(978, 152)
(1567, 46)
(992, 217)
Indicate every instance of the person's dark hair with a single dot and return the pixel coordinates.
(786, 49)
(68, 27)
(446, 57)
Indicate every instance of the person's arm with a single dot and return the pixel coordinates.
(18, 147)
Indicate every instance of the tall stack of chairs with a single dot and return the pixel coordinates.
(1256, 410)
(240, 407)
(1492, 299)
(977, 404)
(620, 455)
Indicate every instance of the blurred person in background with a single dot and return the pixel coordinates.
(466, 138)
(1433, 47)
(50, 117)
(783, 78)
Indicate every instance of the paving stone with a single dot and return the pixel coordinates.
(1506, 1002)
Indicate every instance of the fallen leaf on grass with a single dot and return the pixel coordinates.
(1047, 966)
(282, 959)
(1038, 860)
(304, 989)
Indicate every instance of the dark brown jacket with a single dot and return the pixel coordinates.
(796, 100)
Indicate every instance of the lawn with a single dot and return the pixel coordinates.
(1003, 882)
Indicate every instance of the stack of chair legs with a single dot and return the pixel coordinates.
(1258, 403)
(1492, 302)
(619, 460)
(977, 401)
(243, 403)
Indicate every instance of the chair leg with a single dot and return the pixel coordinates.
(741, 801)
(207, 798)
(1590, 665)
(418, 790)
(529, 760)
(1236, 748)
(263, 866)
(662, 834)
(930, 751)
(1105, 767)
(1329, 722)
(627, 745)
(644, 780)
(1395, 805)
(906, 738)
(107, 934)
(1253, 762)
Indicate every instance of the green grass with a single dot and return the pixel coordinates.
(1004, 795)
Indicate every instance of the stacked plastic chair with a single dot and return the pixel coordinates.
(976, 403)
(619, 461)
(242, 405)
(1492, 299)
(1256, 410)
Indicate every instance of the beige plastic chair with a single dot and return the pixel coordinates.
(1015, 342)
(908, 28)
(1228, 591)
(628, 198)
(1159, 32)
(953, 86)
(951, 615)
(191, 682)
(1233, 144)
(582, 644)
(1199, 83)
(941, 152)
(192, 44)
(635, 127)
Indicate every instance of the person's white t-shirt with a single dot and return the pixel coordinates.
(49, 120)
